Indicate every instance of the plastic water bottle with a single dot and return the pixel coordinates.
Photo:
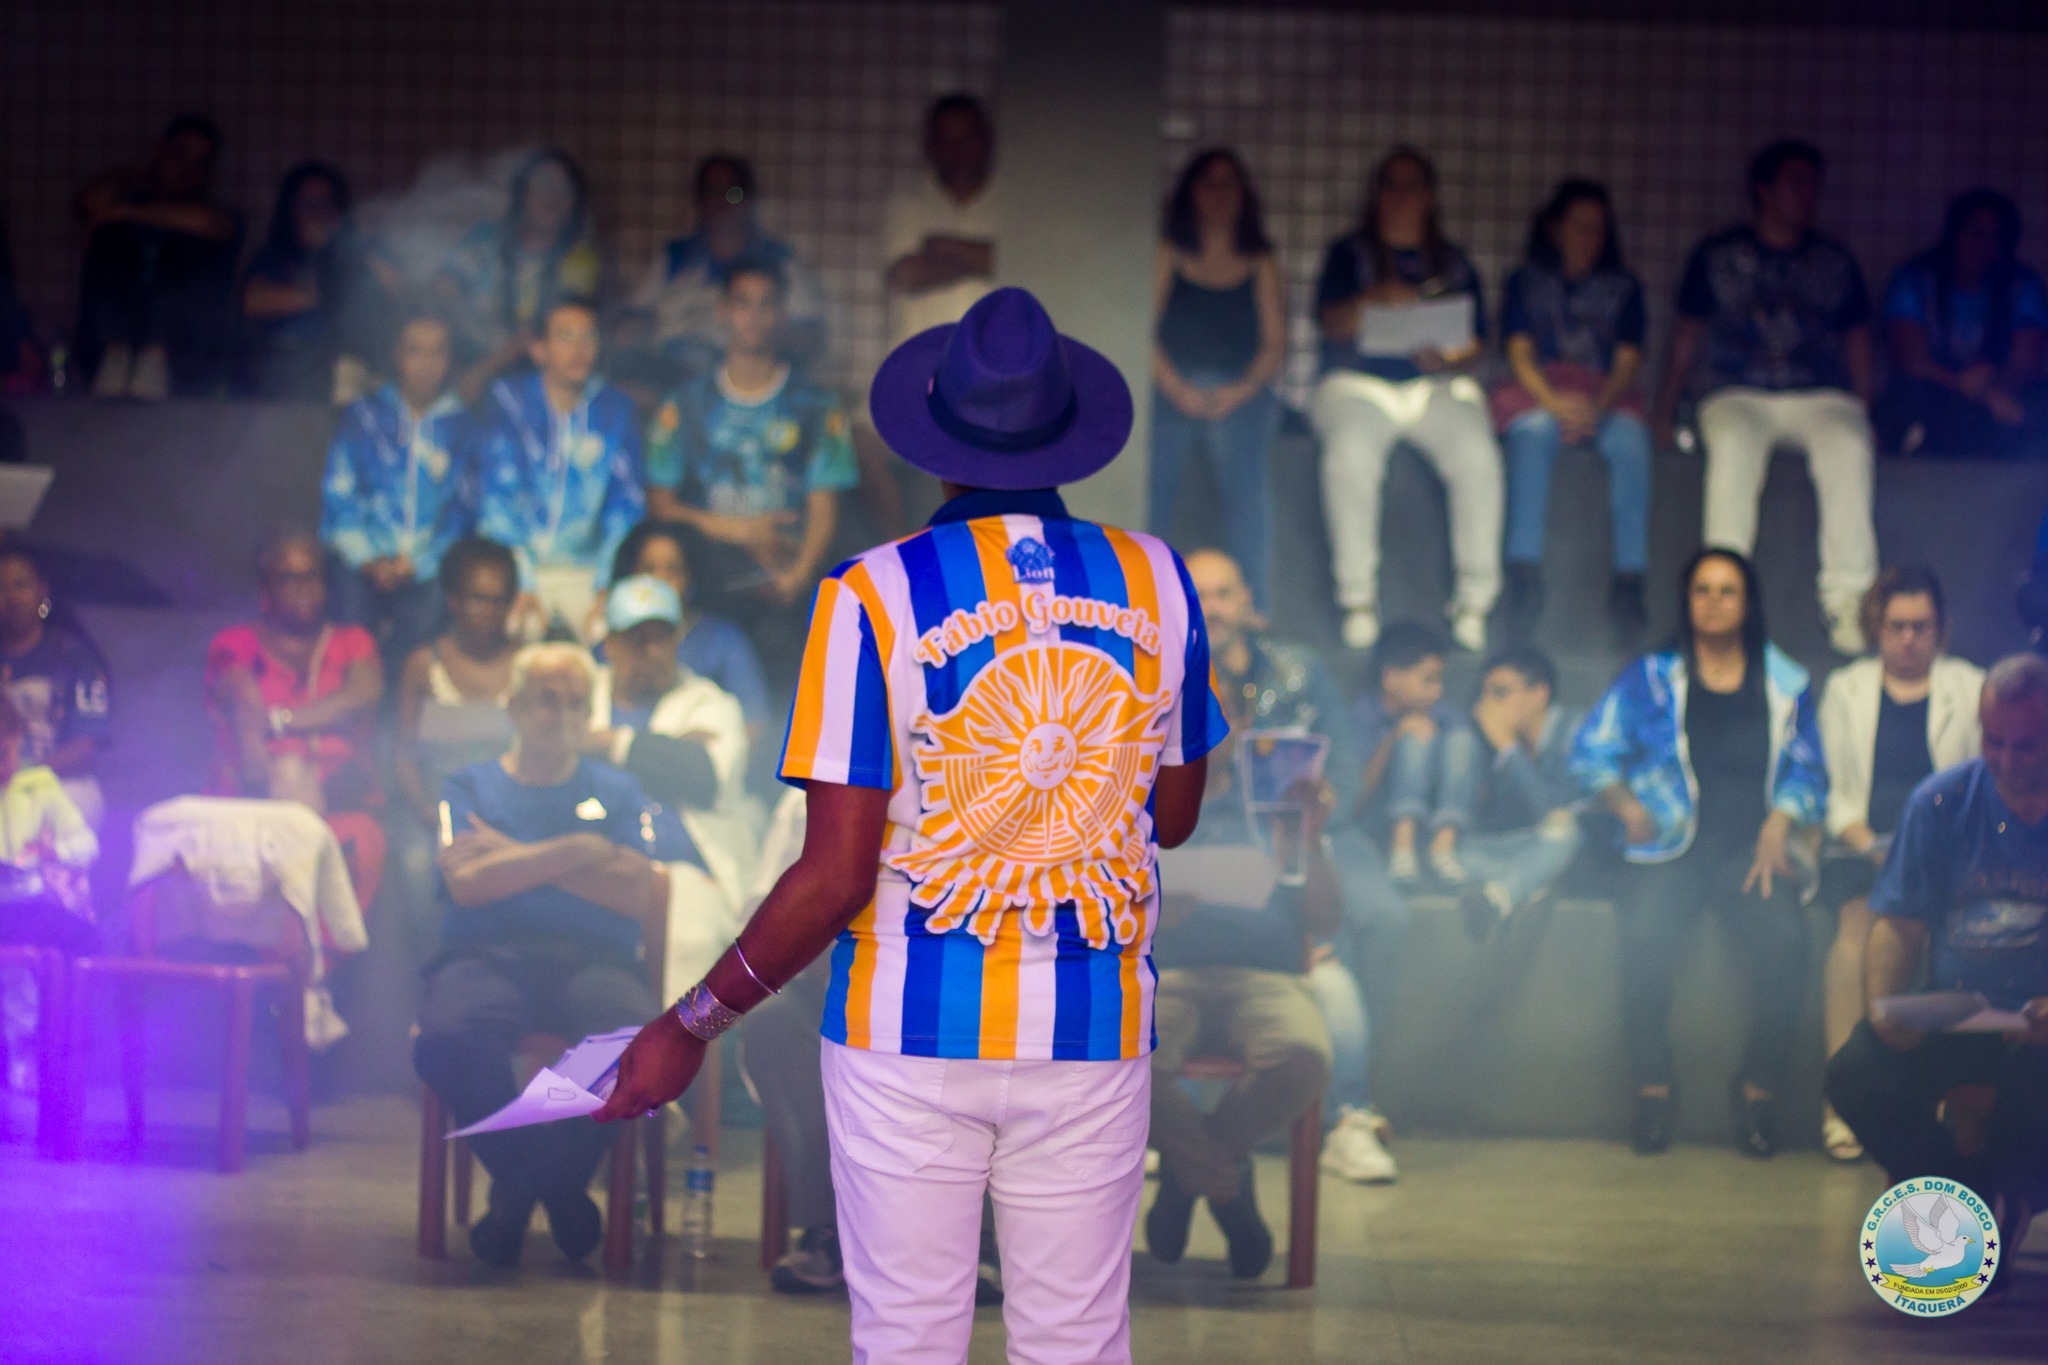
(698, 1179)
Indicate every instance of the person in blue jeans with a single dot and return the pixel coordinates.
(1574, 321)
(1220, 339)
(1399, 724)
(1505, 783)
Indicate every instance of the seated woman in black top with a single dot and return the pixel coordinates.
(1886, 721)
(1708, 754)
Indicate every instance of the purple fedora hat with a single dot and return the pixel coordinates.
(1001, 400)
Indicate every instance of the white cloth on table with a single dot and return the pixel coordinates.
(245, 861)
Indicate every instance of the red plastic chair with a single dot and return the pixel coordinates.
(438, 1154)
(282, 977)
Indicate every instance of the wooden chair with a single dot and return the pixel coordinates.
(53, 1028)
(282, 977)
(438, 1154)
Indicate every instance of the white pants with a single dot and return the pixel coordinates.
(1060, 1147)
(1741, 426)
(1360, 418)
(569, 593)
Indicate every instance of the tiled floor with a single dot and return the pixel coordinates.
(1517, 1251)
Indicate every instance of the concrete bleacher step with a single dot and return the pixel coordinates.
(1521, 1035)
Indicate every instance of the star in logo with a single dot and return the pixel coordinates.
(1870, 1261)
(1877, 1279)
(1982, 1278)
(1870, 1246)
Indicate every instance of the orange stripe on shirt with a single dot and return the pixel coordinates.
(1127, 978)
(860, 980)
(1143, 595)
(1000, 964)
(998, 579)
(861, 584)
(807, 716)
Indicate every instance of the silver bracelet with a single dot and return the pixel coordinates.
(703, 1013)
(741, 954)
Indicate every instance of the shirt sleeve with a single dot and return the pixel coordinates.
(501, 513)
(625, 498)
(839, 724)
(1195, 725)
(1477, 289)
(1911, 883)
(831, 467)
(1634, 323)
(1904, 300)
(1696, 291)
(664, 455)
(233, 648)
(343, 527)
(1340, 280)
(1514, 309)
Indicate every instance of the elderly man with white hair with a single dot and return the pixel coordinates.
(546, 867)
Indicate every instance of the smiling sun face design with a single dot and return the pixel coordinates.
(1034, 795)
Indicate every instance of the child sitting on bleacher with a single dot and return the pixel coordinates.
(1400, 722)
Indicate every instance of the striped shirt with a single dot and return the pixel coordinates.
(1014, 678)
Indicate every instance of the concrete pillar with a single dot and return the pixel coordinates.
(1079, 98)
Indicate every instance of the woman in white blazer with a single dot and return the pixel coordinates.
(1887, 721)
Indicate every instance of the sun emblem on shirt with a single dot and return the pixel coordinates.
(1034, 796)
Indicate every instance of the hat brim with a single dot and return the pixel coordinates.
(899, 403)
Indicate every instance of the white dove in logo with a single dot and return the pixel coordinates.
(1936, 1233)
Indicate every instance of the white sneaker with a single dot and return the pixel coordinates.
(1353, 1152)
(111, 379)
(1845, 627)
(151, 378)
(1403, 865)
(1448, 869)
(1468, 628)
(1361, 628)
(1151, 1163)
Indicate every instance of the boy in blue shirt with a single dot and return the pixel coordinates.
(754, 457)
(400, 489)
(559, 475)
(1399, 725)
(1964, 891)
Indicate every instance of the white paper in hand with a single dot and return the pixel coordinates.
(1234, 875)
(1946, 1012)
(577, 1083)
(1444, 324)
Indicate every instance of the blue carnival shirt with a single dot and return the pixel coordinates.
(1962, 341)
(597, 798)
(741, 457)
(560, 490)
(1349, 271)
(1775, 319)
(397, 485)
(1579, 322)
(1965, 866)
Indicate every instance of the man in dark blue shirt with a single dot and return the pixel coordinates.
(545, 877)
(1964, 892)
(1781, 315)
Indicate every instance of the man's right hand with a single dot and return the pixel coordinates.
(1417, 725)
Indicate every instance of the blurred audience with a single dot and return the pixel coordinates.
(545, 883)
(467, 669)
(679, 301)
(293, 695)
(55, 678)
(1888, 721)
(1965, 321)
(46, 851)
(1399, 722)
(399, 490)
(711, 646)
(1509, 790)
(559, 476)
(1377, 391)
(753, 457)
(504, 279)
(309, 297)
(154, 311)
(24, 369)
(1219, 337)
(1574, 321)
(1778, 312)
(1707, 751)
(1231, 985)
(1268, 686)
(1963, 898)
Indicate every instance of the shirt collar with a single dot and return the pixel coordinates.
(977, 503)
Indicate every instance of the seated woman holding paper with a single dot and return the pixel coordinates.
(1402, 321)
(1887, 721)
(546, 869)
(1573, 317)
(1708, 755)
